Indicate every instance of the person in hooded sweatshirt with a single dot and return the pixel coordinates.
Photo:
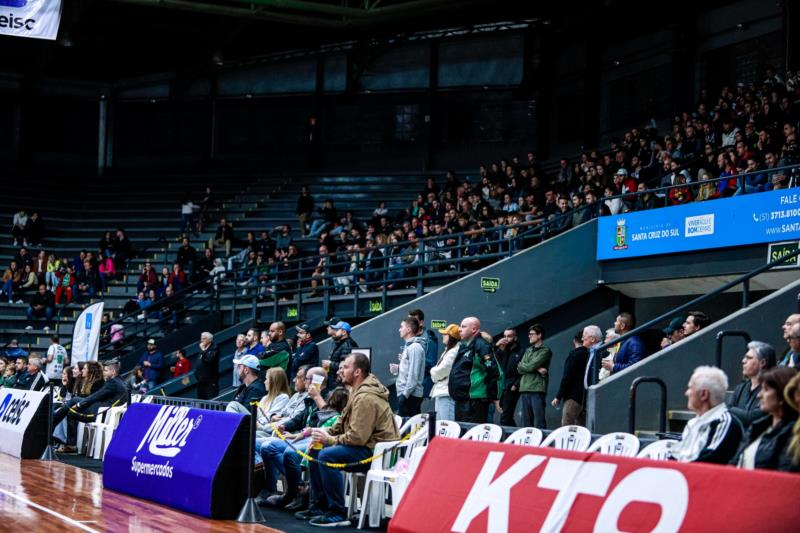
(411, 370)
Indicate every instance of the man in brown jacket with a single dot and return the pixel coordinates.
(366, 420)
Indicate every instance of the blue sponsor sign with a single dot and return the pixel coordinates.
(737, 221)
(190, 459)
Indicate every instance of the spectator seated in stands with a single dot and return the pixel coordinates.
(19, 227)
(744, 403)
(251, 389)
(306, 351)
(182, 365)
(136, 381)
(673, 332)
(88, 281)
(366, 420)
(14, 350)
(177, 278)
(28, 283)
(33, 377)
(42, 306)
(12, 278)
(123, 250)
(65, 283)
(222, 237)
(714, 435)
(631, 351)
(148, 279)
(106, 270)
(186, 257)
(169, 308)
(108, 390)
(766, 444)
(791, 333)
(8, 378)
(152, 362)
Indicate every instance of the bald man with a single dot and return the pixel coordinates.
(790, 335)
(475, 379)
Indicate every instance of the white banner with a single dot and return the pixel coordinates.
(86, 336)
(37, 19)
(17, 408)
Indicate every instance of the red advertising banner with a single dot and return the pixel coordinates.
(469, 486)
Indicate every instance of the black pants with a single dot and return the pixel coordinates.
(473, 411)
(408, 406)
(207, 390)
(509, 405)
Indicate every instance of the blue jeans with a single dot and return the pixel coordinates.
(317, 227)
(533, 409)
(327, 484)
(445, 408)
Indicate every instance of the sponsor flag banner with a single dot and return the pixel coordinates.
(23, 422)
(38, 19)
(86, 335)
(190, 459)
(481, 487)
(741, 220)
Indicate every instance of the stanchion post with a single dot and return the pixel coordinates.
(49, 454)
(431, 426)
(250, 512)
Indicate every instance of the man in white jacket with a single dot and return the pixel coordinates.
(411, 369)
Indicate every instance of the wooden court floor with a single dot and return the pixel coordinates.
(49, 496)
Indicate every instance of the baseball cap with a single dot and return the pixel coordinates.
(304, 326)
(452, 331)
(333, 320)
(622, 172)
(151, 341)
(250, 361)
(341, 325)
(674, 325)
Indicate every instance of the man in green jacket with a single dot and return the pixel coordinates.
(533, 384)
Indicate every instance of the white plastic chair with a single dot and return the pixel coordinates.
(619, 443)
(398, 421)
(448, 428)
(411, 423)
(397, 479)
(575, 438)
(660, 450)
(485, 433)
(526, 437)
(105, 431)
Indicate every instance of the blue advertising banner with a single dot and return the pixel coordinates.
(177, 456)
(737, 221)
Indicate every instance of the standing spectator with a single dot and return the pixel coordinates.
(713, 436)
(19, 228)
(769, 437)
(277, 349)
(35, 229)
(57, 359)
(411, 370)
(151, 362)
(182, 366)
(533, 368)
(304, 209)
(440, 374)
(343, 344)
(42, 306)
(744, 403)
(366, 420)
(474, 378)
(187, 210)
(431, 345)
(631, 351)
(187, 256)
(252, 344)
(571, 393)
(508, 356)
(207, 370)
(306, 353)
(223, 237)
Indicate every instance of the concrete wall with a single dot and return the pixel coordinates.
(608, 402)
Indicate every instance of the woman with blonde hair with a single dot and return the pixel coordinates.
(277, 397)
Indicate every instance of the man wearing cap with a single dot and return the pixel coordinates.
(440, 373)
(673, 332)
(343, 344)
(151, 362)
(252, 389)
(306, 352)
(207, 371)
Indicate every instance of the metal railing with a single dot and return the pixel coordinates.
(632, 402)
(590, 374)
(728, 333)
(188, 402)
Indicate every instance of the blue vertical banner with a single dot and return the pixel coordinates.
(738, 221)
(86, 336)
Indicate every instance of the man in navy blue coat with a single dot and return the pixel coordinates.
(632, 349)
(152, 361)
(306, 352)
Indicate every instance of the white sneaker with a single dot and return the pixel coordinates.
(28, 328)
(20, 302)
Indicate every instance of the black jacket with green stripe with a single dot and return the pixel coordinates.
(476, 374)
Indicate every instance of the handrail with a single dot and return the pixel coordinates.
(700, 299)
(632, 402)
(728, 333)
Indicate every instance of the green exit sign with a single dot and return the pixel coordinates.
(438, 324)
(490, 284)
(291, 312)
(375, 306)
(779, 250)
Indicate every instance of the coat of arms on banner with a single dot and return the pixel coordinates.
(622, 232)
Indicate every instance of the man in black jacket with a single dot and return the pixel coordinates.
(207, 369)
(304, 209)
(744, 403)
(33, 378)
(571, 392)
(251, 390)
(474, 378)
(343, 345)
(113, 393)
(42, 305)
(508, 356)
